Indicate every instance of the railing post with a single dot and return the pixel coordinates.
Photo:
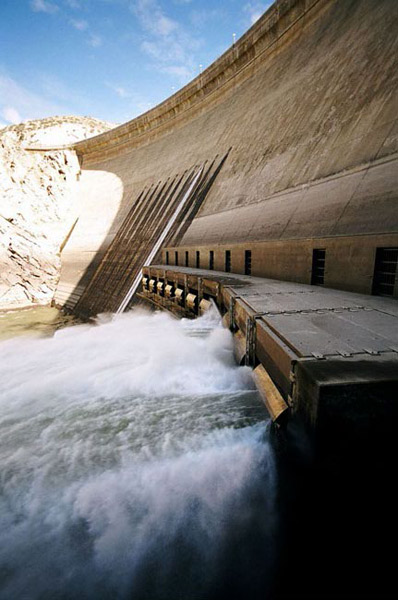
(250, 356)
(232, 313)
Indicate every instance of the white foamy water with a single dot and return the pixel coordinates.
(135, 463)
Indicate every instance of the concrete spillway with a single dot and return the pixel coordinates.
(305, 104)
(331, 356)
(294, 132)
(160, 214)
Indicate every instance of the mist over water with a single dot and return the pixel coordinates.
(135, 463)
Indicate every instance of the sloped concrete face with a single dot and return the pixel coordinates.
(99, 203)
(306, 103)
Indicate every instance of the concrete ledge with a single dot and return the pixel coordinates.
(319, 349)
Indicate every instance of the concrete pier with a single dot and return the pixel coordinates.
(331, 356)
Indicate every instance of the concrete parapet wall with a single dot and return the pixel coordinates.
(306, 103)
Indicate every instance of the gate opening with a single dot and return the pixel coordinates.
(385, 271)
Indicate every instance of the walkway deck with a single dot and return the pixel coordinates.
(318, 345)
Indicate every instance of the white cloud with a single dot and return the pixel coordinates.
(255, 10)
(119, 90)
(54, 89)
(255, 17)
(178, 71)
(49, 6)
(79, 24)
(164, 26)
(138, 108)
(94, 40)
(166, 41)
(153, 19)
(11, 115)
(73, 4)
(44, 6)
(133, 101)
(200, 17)
(163, 52)
(20, 104)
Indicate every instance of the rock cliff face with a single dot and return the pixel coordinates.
(37, 206)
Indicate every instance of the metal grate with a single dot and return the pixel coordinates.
(211, 260)
(385, 270)
(318, 266)
(228, 261)
(248, 262)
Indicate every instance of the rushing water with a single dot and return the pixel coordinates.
(135, 463)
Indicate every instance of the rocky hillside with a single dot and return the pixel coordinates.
(37, 210)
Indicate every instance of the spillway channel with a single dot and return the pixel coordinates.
(135, 463)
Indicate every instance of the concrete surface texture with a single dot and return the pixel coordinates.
(307, 102)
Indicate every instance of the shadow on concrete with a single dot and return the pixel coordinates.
(109, 275)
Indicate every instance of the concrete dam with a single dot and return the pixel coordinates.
(247, 448)
(280, 162)
(294, 130)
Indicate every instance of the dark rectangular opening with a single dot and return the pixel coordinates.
(318, 266)
(186, 258)
(197, 259)
(176, 258)
(211, 260)
(248, 262)
(385, 271)
(228, 261)
(167, 258)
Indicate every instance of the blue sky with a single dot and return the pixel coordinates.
(109, 59)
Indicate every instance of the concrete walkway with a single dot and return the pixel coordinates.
(314, 321)
(333, 355)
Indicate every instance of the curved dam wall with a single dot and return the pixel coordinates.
(302, 113)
